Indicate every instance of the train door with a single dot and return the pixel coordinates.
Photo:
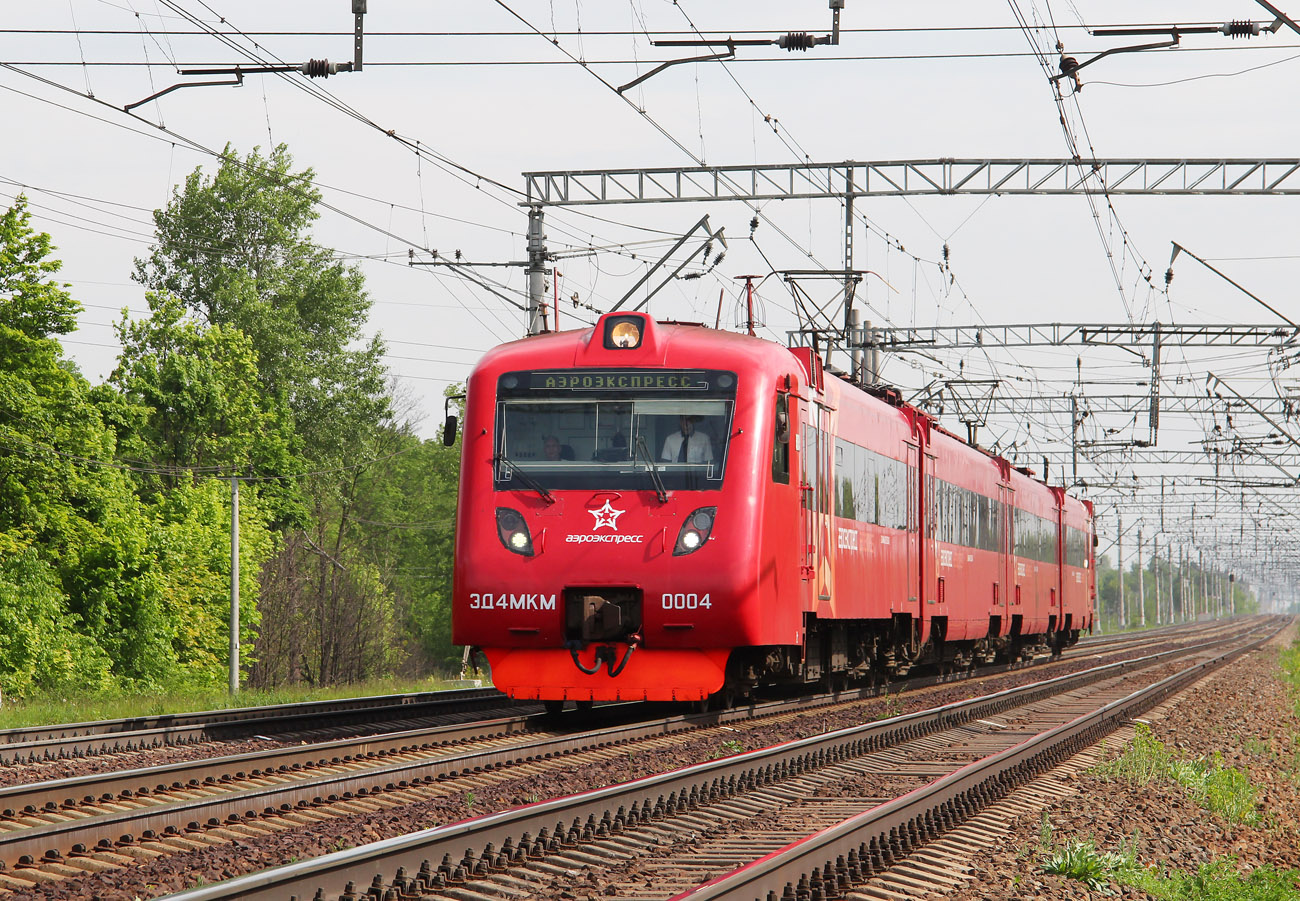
(930, 537)
(1007, 596)
(1010, 575)
(1058, 604)
(825, 504)
(913, 529)
(808, 499)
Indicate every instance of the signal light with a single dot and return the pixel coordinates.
(513, 532)
(695, 531)
(624, 332)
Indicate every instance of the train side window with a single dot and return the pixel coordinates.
(781, 441)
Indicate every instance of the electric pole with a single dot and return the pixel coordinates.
(536, 270)
(1142, 582)
(234, 586)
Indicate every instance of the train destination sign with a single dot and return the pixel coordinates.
(631, 381)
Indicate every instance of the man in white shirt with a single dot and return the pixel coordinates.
(687, 445)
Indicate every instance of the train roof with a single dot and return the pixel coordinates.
(658, 342)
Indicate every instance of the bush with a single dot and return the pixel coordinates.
(40, 647)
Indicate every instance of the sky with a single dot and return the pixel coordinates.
(486, 91)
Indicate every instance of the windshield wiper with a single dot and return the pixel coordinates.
(651, 468)
(524, 477)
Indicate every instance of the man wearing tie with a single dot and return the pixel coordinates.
(687, 445)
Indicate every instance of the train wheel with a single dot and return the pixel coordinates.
(727, 697)
(584, 706)
(719, 700)
(553, 708)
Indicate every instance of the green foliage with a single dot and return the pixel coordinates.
(255, 356)
(1082, 861)
(68, 519)
(40, 647)
(1155, 581)
(1143, 761)
(253, 359)
(235, 249)
(1044, 833)
(78, 702)
(197, 386)
(1224, 790)
(891, 706)
(417, 498)
(191, 543)
(729, 747)
(1289, 660)
(31, 303)
(1218, 880)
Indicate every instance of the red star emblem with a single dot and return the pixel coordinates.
(606, 516)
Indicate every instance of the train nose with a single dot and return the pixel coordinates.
(601, 614)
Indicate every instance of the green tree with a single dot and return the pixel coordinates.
(41, 648)
(34, 304)
(191, 542)
(198, 387)
(235, 249)
(69, 520)
(235, 252)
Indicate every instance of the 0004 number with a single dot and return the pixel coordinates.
(686, 601)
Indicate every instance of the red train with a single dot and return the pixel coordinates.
(661, 511)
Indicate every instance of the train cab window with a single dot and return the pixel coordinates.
(781, 436)
(624, 429)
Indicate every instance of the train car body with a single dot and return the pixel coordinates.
(658, 511)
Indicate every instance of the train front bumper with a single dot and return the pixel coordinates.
(658, 674)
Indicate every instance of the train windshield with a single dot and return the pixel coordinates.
(613, 429)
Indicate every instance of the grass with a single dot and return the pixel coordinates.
(1226, 791)
(1218, 880)
(893, 706)
(1082, 861)
(1290, 662)
(42, 711)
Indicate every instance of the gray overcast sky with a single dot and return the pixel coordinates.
(471, 82)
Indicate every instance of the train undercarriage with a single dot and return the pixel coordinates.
(840, 654)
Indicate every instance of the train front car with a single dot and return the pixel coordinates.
(616, 489)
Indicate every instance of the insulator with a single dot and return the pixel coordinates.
(319, 68)
(799, 40)
(1240, 28)
(1068, 64)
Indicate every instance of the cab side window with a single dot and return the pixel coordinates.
(782, 433)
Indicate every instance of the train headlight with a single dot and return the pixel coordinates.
(695, 531)
(513, 532)
(623, 332)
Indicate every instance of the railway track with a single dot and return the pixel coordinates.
(64, 830)
(315, 722)
(291, 721)
(703, 816)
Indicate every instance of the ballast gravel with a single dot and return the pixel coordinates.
(1244, 713)
(174, 872)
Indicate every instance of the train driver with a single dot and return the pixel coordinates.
(686, 445)
(552, 449)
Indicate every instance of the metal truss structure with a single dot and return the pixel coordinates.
(1169, 177)
(1219, 477)
(1058, 334)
